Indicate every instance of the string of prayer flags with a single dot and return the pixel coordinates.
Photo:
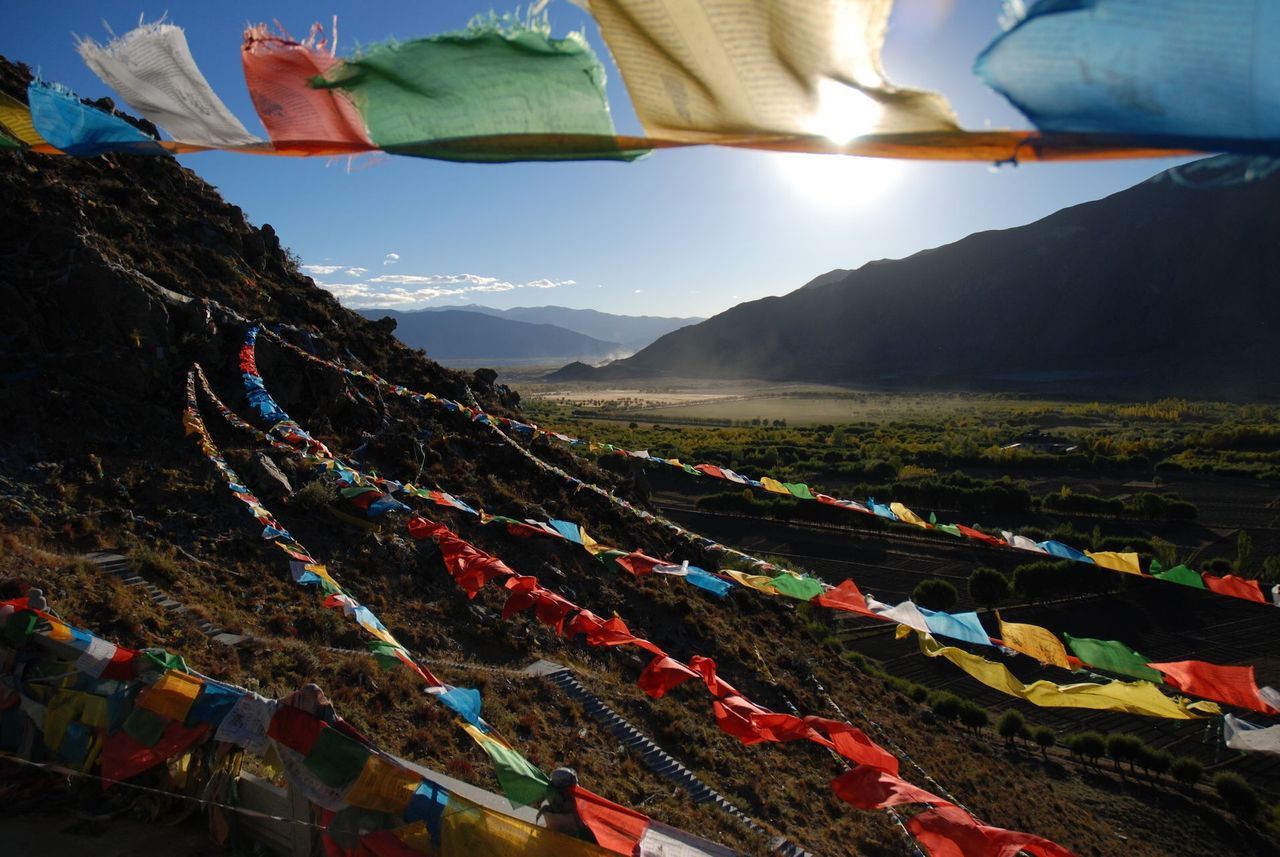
(1113, 657)
(1231, 685)
(1129, 561)
(1138, 697)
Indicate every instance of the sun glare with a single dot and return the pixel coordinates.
(838, 181)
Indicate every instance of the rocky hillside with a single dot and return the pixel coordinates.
(93, 456)
(1164, 288)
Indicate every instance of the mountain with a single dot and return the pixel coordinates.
(632, 331)
(1165, 288)
(456, 336)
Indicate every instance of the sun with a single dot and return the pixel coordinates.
(838, 181)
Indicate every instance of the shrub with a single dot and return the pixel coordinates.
(313, 497)
(1160, 762)
(945, 705)
(1087, 745)
(974, 716)
(1186, 770)
(1044, 738)
(1237, 794)
(988, 587)
(1011, 725)
(935, 594)
(919, 693)
(1123, 748)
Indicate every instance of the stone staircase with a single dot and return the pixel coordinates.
(655, 758)
(118, 566)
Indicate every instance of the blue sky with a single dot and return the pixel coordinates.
(688, 232)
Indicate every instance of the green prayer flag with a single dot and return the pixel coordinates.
(162, 661)
(799, 489)
(1182, 574)
(610, 556)
(521, 782)
(145, 727)
(336, 759)
(385, 654)
(1113, 657)
(803, 588)
(532, 96)
(952, 529)
(933, 518)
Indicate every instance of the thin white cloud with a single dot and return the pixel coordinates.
(356, 272)
(391, 258)
(410, 290)
(322, 269)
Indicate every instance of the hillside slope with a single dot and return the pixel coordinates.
(456, 336)
(93, 455)
(1159, 289)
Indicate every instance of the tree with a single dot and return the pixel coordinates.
(1160, 762)
(1270, 570)
(974, 716)
(1088, 745)
(988, 587)
(1044, 738)
(1186, 770)
(1011, 725)
(1123, 748)
(1237, 794)
(1244, 550)
(945, 705)
(935, 594)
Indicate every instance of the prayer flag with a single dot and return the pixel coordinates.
(1125, 562)
(1039, 643)
(1113, 657)
(1232, 685)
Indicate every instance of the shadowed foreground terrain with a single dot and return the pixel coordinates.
(93, 456)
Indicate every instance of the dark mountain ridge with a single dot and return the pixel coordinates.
(456, 335)
(632, 331)
(1160, 289)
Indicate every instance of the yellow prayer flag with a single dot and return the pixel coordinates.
(16, 118)
(593, 547)
(1132, 697)
(1126, 562)
(902, 513)
(756, 581)
(771, 484)
(468, 830)
(383, 786)
(172, 696)
(59, 631)
(1039, 643)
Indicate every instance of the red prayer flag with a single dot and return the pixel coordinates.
(1236, 587)
(978, 535)
(1232, 685)
(662, 674)
(615, 633)
(421, 529)
(949, 831)
(585, 622)
(854, 745)
(870, 788)
(710, 470)
(123, 757)
(735, 715)
(706, 668)
(309, 120)
(844, 597)
(616, 828)
(639, 564)
(294, 728)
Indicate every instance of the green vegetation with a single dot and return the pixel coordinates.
(988, 587)
(1237, 794)
(1186, 770)
(935, 594)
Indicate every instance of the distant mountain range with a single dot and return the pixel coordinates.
(464, 335)
(1167, 288)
